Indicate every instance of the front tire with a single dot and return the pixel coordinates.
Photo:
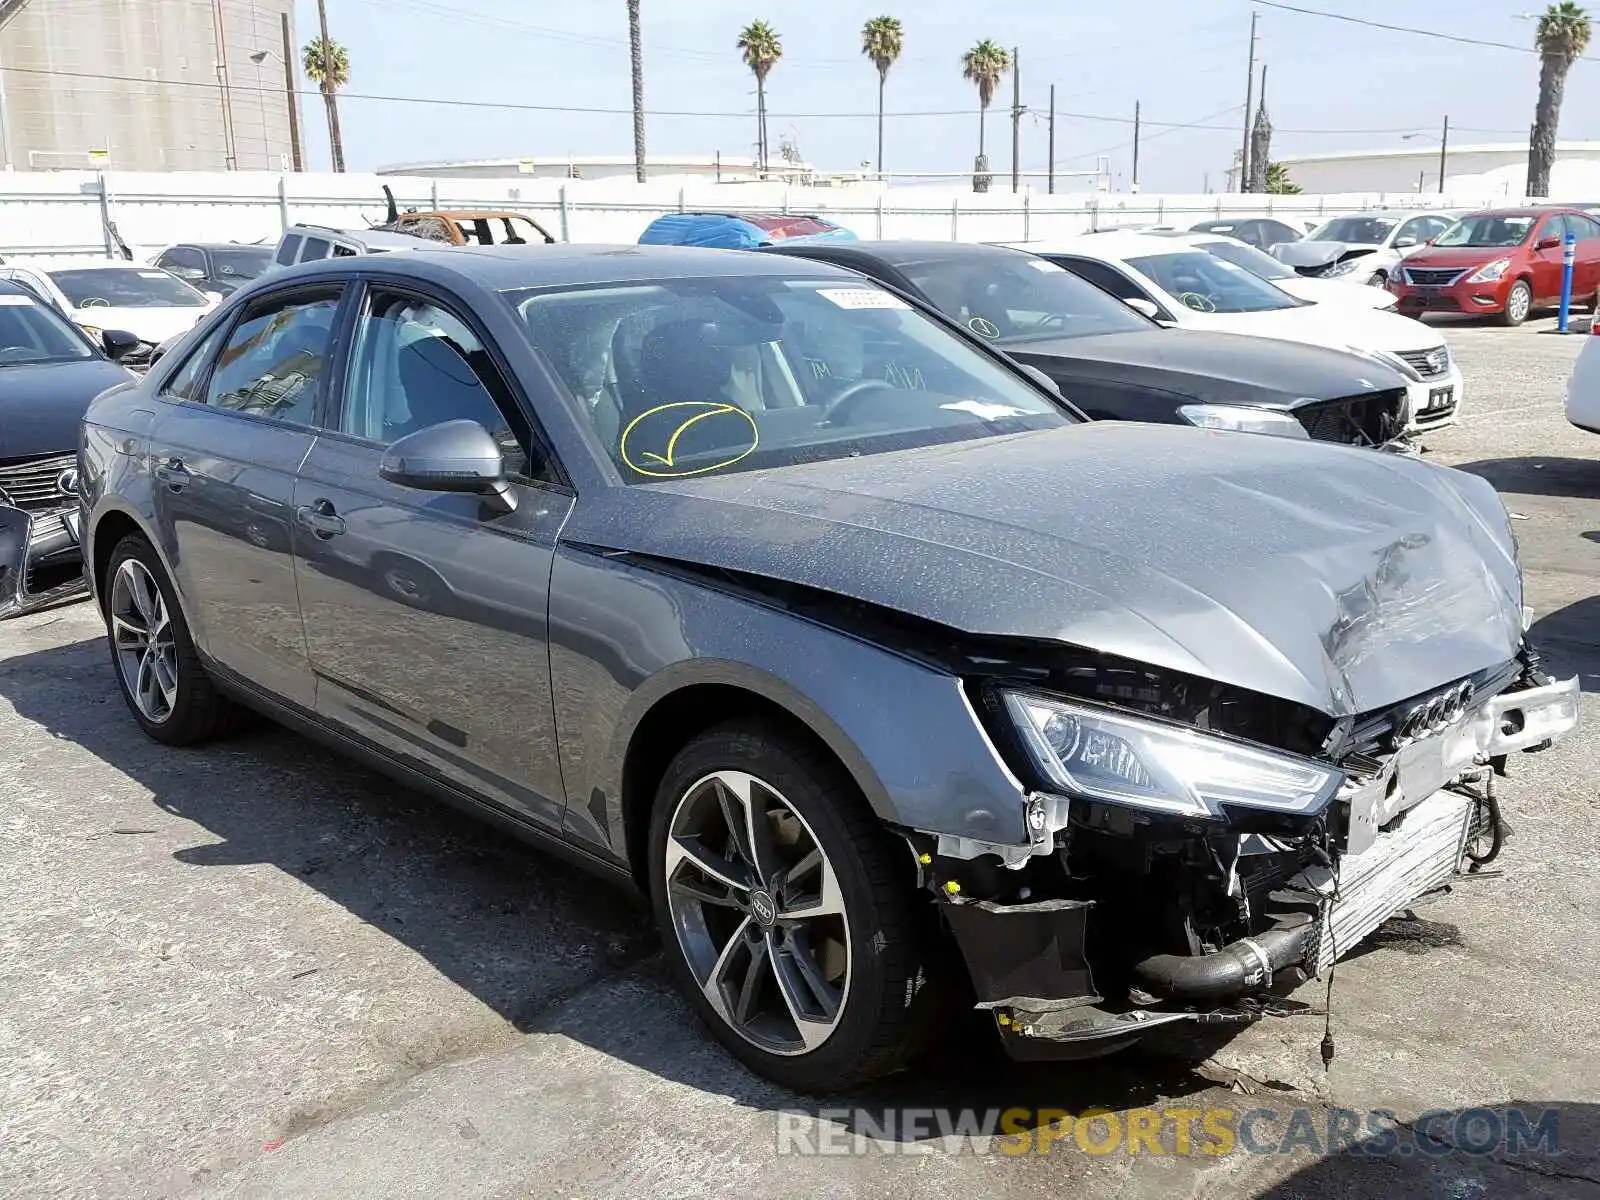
(154, 657)
(1378, 279)
(1519, 303)
(788, 920)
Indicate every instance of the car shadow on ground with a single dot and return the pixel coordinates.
(1539, 475)
(1569, 639)
(483, 909)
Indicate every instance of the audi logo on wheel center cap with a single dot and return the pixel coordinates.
(762, 908)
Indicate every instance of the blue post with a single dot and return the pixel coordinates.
(1569, 255)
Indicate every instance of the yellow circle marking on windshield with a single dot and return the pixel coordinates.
(1198, 301)
(663, 465)
(984, 327)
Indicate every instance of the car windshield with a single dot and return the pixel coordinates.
(1361, 231)
(1018, 298)
(1487, 229)
(1255, 261)
(244, 263)
(689, 377)
(1211, 285)
(35, 333)
(125, 287)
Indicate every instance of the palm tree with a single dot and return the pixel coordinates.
(882, 39)
(984, 65)
(637, 51)
(762, 50)
(328, 65)
(1562, 35)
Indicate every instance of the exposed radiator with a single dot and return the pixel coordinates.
(1418, 856)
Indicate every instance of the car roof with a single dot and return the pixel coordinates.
(1110, 244)
(367, 237)
(264, 247)
(511, 267)
(895, 253)
(96, 264)
(1525, 210)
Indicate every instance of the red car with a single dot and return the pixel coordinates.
(1505, 262)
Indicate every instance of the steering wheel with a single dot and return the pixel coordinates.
(851, 396)
(1198, 301)
(1051, 319)
(94, 302)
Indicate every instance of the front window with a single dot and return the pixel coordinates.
(1248, 257)
(126, 287)
(34, 333)
(708, 376)
(1359, 231)
(241, 264)
(1019, 299)
(1487, 230)
(1211, 285)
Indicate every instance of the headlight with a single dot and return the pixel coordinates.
(1491, 272)
(1244, 420)
(1397, 273)
(1122, 759)
(93, 331)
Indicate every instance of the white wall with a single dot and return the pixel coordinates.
(62, 214)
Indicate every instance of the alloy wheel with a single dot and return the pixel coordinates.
(143, 640)
(758, 912)
(1519, 302)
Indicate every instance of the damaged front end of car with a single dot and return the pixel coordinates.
(1198, 850)
(41, 561)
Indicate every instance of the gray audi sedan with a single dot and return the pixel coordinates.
(895, 684)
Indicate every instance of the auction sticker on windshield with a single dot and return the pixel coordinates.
(861, 298)
(651, 443)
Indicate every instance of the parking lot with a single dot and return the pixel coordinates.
(257, 970)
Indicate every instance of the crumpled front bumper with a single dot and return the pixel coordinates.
(41, 558)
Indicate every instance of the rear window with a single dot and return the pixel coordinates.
(315, 248)
(287, 251)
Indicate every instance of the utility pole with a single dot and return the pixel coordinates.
(1135, 146)
(1052, 139)
(1249, 103)
(335, 142)
(1016, 122)
(1444, 146)
(230, 150)
(294, 100)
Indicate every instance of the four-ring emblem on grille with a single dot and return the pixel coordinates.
(1433, 715)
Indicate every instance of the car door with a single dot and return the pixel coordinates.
(1546, 263)
(226, 444)
(1586, 268)
(425, 612)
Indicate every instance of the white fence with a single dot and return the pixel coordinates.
(80, 214)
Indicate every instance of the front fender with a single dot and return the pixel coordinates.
(625, 638)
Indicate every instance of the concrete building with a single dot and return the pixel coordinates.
(1499, 167)
(698, 168)
(145, 85)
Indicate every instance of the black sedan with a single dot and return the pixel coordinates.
(1116, 364)
(222, 268)
(49, 371)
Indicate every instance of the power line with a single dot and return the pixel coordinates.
(1437, 34)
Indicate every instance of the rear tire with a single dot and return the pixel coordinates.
(1519, 303)
(813, 1003)
(152, 654)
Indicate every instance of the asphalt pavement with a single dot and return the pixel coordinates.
(257, 970)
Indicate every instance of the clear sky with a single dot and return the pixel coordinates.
(1331, 85)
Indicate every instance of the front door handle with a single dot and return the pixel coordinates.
(320, 517)
(174, 474)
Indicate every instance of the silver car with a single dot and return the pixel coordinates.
(894, 683)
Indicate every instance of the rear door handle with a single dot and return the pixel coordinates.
(320, 517)
(174, 474)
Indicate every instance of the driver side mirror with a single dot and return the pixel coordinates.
(1140, 305)
(1403, 243)
(455, 456)
(1549, 242)
(118, 343)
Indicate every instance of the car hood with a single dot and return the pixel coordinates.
(42, 406)
(1210, 367)
(1317, 254)
(1460, 256)
(1342, 579)
(1351, 292)
(1339, 326)
(152, 325)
